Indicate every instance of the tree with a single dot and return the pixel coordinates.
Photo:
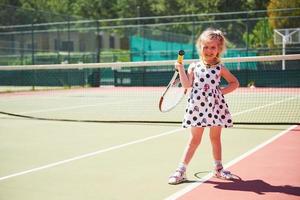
(261, 35)
(41, 11)
(257, 4)
(277, 19)
(95, 9)
(11, 13)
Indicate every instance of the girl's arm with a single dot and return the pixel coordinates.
(185, 79)
(233, 82)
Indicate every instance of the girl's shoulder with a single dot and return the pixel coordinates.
(223, 68)
(220, 66)
(192, 66)
(195, 64)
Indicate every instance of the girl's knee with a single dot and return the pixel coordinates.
(215, 134)
(194, 143)
(215, 140)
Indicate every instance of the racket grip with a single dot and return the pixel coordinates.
(180, 56)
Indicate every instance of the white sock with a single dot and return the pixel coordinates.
(182, 165)
(218, 163)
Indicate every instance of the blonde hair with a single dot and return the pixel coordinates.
(212, 34)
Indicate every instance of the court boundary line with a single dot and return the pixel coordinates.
(266, 105)
(91, 154)
(71, 107)
(192, 186)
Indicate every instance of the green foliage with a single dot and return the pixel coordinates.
(12, 13)
(51, 10)
(261, 35)
(115, 55)
(275, 19)
(91, 9)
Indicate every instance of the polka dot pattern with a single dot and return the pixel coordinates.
(206, 104)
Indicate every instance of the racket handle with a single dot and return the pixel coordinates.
(180, 56)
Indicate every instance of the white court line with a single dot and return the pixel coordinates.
(73, 107)
(113, 148)
(230, 163)
(90, 154)
(263, 106)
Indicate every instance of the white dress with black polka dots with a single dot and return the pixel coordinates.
(206, 104)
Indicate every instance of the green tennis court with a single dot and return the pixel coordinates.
(87, 159)
(80, 91)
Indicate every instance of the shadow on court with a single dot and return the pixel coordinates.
(257, 186)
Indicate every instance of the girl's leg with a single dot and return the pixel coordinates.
(194, 141)
(215, 139)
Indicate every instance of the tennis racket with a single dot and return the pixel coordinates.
(174, 91)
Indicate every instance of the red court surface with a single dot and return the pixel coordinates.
(270, 173)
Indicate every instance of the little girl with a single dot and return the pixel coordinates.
(206, 104)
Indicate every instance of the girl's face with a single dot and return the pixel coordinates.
(210, 51)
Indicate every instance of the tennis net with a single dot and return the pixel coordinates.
(130, 91)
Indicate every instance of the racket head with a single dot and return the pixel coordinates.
(173, 94)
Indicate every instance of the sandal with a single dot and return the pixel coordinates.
(178, 177)
(219, 172)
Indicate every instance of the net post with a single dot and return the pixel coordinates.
(193, 37)
(286, 38)
(98, 41)
(32, 44)
(283, 51)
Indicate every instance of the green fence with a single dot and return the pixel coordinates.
(267, 74)
(70, 40)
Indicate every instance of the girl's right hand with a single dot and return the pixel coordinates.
(178, 66)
